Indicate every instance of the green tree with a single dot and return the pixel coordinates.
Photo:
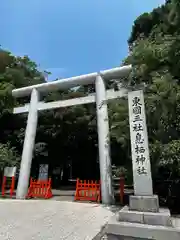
(8, 156)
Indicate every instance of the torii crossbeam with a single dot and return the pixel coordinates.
(101, 96)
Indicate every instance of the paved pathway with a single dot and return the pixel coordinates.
(50, 220)
(176, 221)
(63, 195)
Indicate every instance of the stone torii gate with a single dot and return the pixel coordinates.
(101, 96)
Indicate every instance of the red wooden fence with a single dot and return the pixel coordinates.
(40, 189)
(88, 190)
(4, 186)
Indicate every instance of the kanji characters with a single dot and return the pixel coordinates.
(139, 149)
(136, 102)
(137, 118)
(137, 127)
(140, 159)
(138, 130)
(137, 110)
(139, 139)
(141, 170)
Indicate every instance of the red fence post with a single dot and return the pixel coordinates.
(40, 188)
(3, 185)
(88, 190)
(12, 186)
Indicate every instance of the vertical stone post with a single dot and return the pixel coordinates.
(139, 145)
(103, 141)
(143, 219)
(28, 146)
(144, 198)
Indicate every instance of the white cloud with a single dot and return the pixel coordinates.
(161, 1)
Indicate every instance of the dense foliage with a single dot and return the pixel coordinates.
(68, 136)
(155, 54)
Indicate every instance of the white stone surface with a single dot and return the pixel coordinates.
(162, 218)
(9, 171)
(28, 146)
(176, 222)
(114, 73)
(141, 231)
(103, 141)
(51, 220)
(71, 102)
(139, 144)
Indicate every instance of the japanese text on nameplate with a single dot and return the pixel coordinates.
(138, 129)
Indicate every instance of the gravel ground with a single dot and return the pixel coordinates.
(51, 220)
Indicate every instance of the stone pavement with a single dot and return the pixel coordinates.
(176, 221)
(63, 195)
(51, 220)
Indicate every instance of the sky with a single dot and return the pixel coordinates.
(68, 37)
